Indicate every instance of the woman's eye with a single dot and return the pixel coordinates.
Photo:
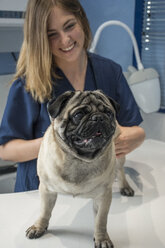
(52, 35)
(70, 26)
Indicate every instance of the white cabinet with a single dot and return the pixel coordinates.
(11, 29)
(11, 34)
(13, 5)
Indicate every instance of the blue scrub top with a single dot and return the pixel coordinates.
(25, 118)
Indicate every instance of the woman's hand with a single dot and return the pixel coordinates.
(19, 150)
(128, 140)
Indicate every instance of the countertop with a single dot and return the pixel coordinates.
(137, 222)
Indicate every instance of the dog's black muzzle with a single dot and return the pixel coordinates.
(92, 136)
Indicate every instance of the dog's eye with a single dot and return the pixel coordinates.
(110, 114)
(78, 116)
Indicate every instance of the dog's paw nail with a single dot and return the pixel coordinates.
(33, 232)
(104, 244)
(127, 191)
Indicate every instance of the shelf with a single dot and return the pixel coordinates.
(11, 23)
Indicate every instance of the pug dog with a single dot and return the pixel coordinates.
(77, 157)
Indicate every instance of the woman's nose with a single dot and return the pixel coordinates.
(64, 38)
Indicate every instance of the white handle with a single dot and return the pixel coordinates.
(119, 23)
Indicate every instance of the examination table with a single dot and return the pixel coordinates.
(133, 222)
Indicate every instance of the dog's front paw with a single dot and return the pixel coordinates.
(103, 242)
(127, 191)
(34, 232)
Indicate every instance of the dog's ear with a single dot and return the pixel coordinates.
(114, 104)
(56, 105)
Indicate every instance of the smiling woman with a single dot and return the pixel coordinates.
(66, 39)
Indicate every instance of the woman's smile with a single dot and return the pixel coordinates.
(69, 48)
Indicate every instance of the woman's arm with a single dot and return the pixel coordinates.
(128, 140)
(19, 150)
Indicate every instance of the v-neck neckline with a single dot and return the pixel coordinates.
(69, 85)
(62, 84)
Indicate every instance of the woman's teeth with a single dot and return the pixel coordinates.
(68, 48)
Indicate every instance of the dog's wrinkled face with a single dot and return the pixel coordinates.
(85, 121)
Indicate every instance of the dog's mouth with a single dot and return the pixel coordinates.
(89, 147)
(93, 139)
(86, 142)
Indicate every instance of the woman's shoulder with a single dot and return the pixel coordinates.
(106, 67)
(18, 90)
(18, 87)
(103, 61)
(18, 83)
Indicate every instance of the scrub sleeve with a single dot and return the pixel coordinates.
(23, 118)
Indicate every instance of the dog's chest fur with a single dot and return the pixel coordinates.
(79, 171)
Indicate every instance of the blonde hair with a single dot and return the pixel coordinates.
(35, 62)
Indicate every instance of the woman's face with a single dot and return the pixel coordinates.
(66, 36)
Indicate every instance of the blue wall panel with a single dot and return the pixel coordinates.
(115, 42)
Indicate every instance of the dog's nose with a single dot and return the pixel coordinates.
(97, 117)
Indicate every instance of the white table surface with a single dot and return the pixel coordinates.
(137, 222)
